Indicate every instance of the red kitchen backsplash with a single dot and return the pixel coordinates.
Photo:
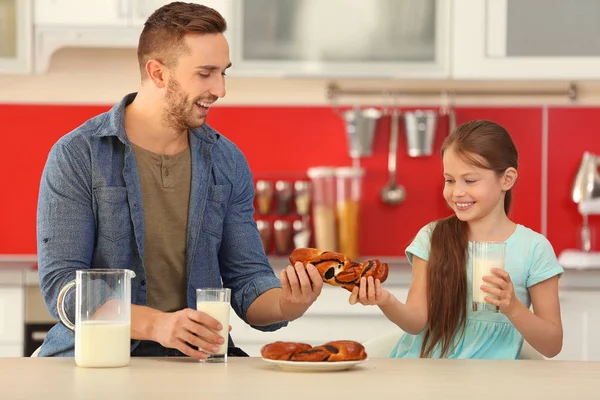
(571, 132)
(283, 142)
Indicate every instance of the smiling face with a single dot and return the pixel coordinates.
(196, 81)
(471, 191)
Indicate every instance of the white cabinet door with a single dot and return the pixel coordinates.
(15, 36)
(14, 350)
(11, 315)
(573, 322)
(88, 13)
(341, 38)
(580, 311)
(593, 328)
(526, 39)
(81, 23)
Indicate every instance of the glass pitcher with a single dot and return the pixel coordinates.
(102, 316)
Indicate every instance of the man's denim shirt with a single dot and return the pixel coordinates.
(90, 215)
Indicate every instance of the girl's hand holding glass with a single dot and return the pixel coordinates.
(370, 293)
(502, 292)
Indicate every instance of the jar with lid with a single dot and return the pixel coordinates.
(284, 197)
(264, 196)
(302, 197)
(283, 236)
(348, 194)
(323, 206)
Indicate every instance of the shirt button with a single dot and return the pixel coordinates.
(143, 282)
(167, 157)
(166, 172)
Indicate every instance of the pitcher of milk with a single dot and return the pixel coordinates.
(102, 316)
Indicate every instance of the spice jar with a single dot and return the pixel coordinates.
(302, 197)
(283, 237)
(264, 196)
(284, 197)
(264, 230)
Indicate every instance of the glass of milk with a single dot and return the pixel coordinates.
(215, 302)
(485, 256)
(102, 316)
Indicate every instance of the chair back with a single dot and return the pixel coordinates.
(381, 346)
(36, 352)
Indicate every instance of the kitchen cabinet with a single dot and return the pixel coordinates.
(93, 24)
(526, 39)
(341, 38)
(329, 318)
(11, 320)
(114, 13)
(11, 350)
(15, 36)
(80, 23)
(580, 311)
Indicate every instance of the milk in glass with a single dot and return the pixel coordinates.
(486, 256)
(481, 268)
(219, 310)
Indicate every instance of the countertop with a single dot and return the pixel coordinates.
(253, 378)
(20, 270)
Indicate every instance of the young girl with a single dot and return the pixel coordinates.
(480, 168)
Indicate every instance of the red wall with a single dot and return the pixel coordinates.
(282, 142)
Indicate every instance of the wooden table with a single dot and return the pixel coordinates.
(253, 378)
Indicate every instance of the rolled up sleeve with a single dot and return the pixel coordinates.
(65, 224)
(244, 266)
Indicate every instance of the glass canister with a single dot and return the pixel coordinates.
(323, 205)
(348, 193)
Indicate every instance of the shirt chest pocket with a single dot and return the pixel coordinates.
(216, 207)
(114, 218)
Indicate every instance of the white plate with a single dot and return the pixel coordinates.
(314, 366)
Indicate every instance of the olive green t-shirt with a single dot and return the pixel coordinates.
(166, 182)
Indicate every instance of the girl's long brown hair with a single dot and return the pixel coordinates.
(484, 144)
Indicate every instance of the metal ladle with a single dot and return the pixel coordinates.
(393, 193)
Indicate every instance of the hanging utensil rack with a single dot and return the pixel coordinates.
(334, 91)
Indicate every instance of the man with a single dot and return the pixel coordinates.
(150, 186)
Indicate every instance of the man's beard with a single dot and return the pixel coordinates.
(178, 109)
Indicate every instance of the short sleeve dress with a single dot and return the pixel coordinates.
(530, 259)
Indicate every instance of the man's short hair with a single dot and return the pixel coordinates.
(163, 35)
